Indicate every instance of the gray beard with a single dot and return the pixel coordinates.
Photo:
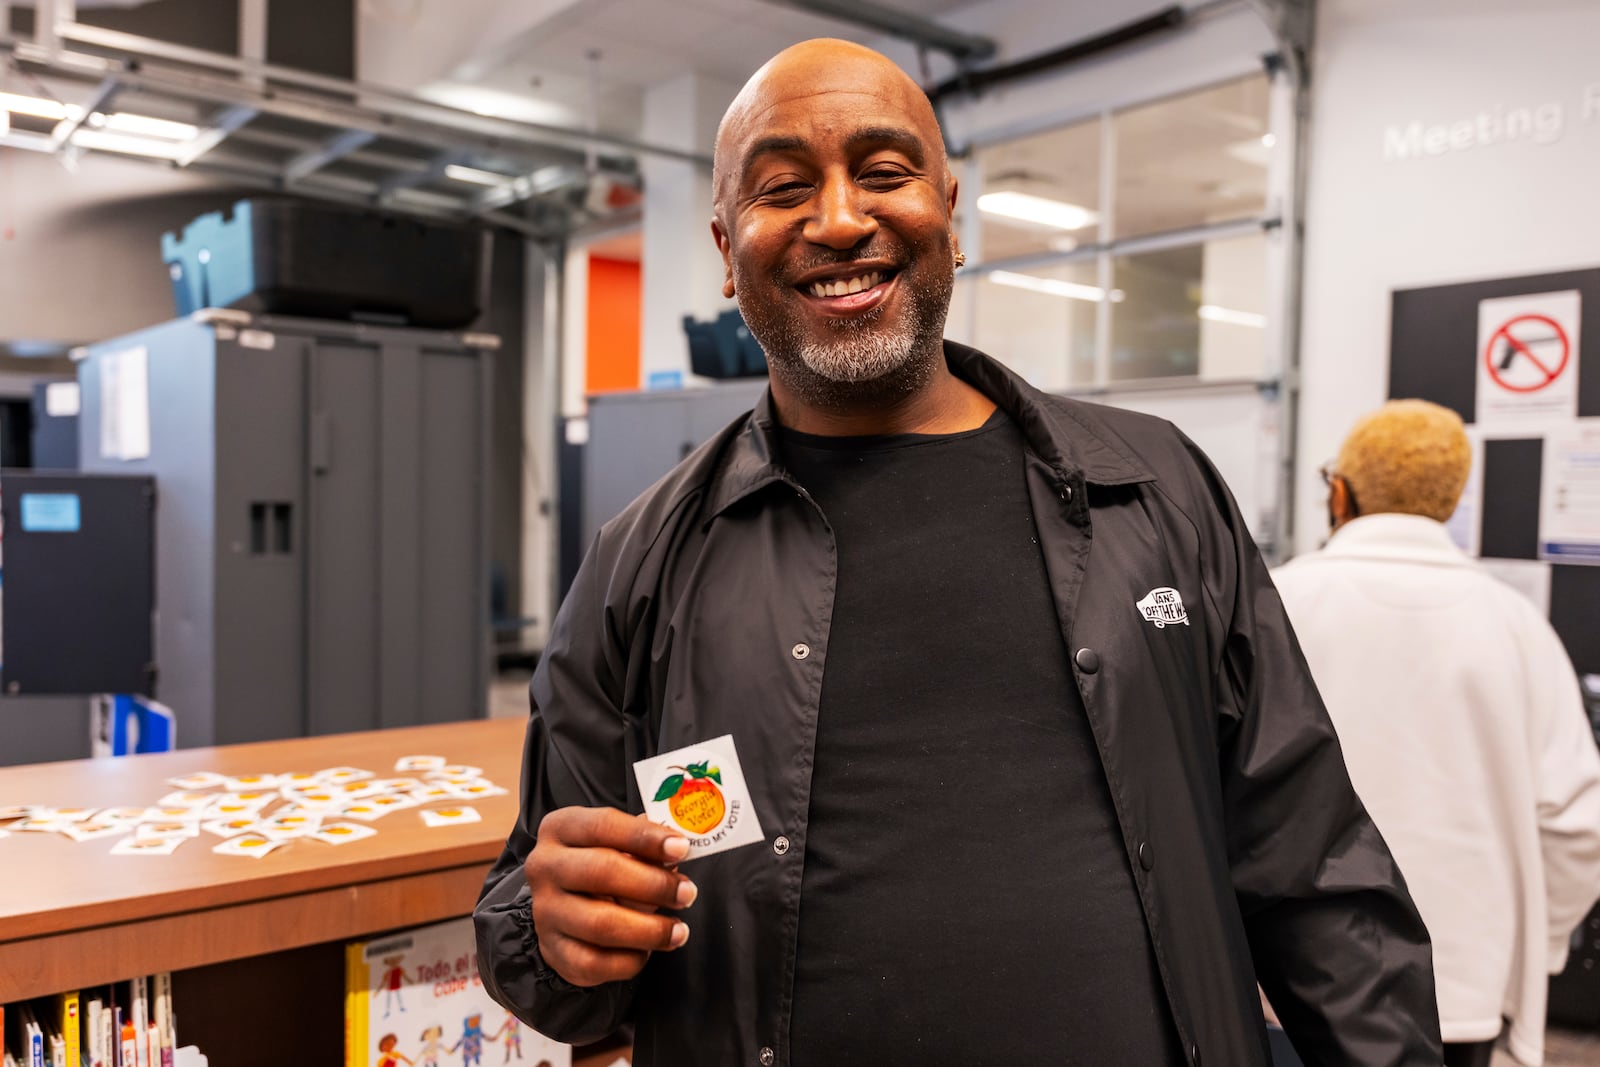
(862, 363)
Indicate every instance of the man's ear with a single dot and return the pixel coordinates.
(719, 235)
(950, 204)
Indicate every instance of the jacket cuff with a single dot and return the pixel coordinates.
(522, 915)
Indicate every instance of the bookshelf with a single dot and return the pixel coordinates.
(73, 916)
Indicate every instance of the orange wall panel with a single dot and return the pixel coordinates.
(612, 362)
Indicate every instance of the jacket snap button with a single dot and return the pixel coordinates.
(1194, 1055)
(767, 1057)
(1066, 494)
(1088, 660)
(800, 651)
(781, 846)
(1147, 858)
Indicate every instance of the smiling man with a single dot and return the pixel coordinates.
(1042, 773)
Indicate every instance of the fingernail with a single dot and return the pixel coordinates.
(680, 934)
(687, 891)
(676, 848)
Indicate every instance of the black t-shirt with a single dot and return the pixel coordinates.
(966, 898)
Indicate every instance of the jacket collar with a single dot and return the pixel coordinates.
(1398, 538)
(1058, 433)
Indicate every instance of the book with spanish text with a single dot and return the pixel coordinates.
(415, 997)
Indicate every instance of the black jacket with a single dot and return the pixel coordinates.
(1253, 857)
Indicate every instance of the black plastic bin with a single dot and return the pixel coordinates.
(323, 261)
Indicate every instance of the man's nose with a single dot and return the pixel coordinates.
(840, 221)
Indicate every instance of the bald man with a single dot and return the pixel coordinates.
(1463, 728)
(1041, 773)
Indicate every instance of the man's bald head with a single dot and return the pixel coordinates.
(812, 68)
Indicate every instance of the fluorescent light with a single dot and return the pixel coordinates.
(1053, 286)
(102, 141)
(1213, 313)
(1037, 210)
(476, 176)
(36, 106)
(145, 126)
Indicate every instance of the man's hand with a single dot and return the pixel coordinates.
(597, 876)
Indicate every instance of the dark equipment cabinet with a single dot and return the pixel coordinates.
(322, 541)
(79, 583)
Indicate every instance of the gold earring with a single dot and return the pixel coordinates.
(961, 259)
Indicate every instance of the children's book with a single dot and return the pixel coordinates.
(414, 997)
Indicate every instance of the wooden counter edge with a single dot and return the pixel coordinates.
(58, 962)
(60, 920)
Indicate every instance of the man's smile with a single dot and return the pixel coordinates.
(849, 289)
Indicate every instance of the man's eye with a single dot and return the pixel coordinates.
(785, 191)
(881, 175)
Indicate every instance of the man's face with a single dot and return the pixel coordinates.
(833, 218)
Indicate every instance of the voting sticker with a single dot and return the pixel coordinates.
(450, 816)
(364, 810)
(246, 845)
(197, 781)
(64, 814)
(41, 824)
(160, 830)
(229, 827)
(16, 811)
(242, 783)
(187, 798)
(88, 831)
(120, 815)
(339, 833)
(286, 827)
(340, 775)
(147, 846)
(478, 787)
(299, 780)
(419, 763)
(701, 791)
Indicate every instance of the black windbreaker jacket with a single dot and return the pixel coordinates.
(703, 609)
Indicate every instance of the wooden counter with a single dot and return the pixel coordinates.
(74, 915)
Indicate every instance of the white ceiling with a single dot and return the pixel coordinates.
(572, 61)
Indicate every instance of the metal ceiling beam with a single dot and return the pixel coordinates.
(964, 47)
(332, 150)
(227, 122)
(67, 127)
(541, 182)
(398, 106)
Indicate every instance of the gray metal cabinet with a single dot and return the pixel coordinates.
(635, 438)
(322, 519)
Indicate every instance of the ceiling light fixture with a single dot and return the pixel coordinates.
(1036, 210)
(145, 126)
(127, 144)
(476, 176)
(1053, 286)
(36, 106)
(1213, 313)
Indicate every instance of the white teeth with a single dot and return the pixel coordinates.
(846, 286)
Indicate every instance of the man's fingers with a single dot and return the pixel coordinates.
(585, 965)
(611, 828)
(606, 924)
(603, 872)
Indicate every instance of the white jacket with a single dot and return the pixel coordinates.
(1464, 730)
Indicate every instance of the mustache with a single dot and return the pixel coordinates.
(822, 258)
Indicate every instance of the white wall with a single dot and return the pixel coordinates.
(1474, 211)
(80, 253)
(681, 271)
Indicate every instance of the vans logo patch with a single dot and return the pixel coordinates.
(1164, 607)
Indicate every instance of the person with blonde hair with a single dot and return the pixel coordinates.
(1462, 725)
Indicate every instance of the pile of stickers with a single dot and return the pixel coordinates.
(257, 813)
